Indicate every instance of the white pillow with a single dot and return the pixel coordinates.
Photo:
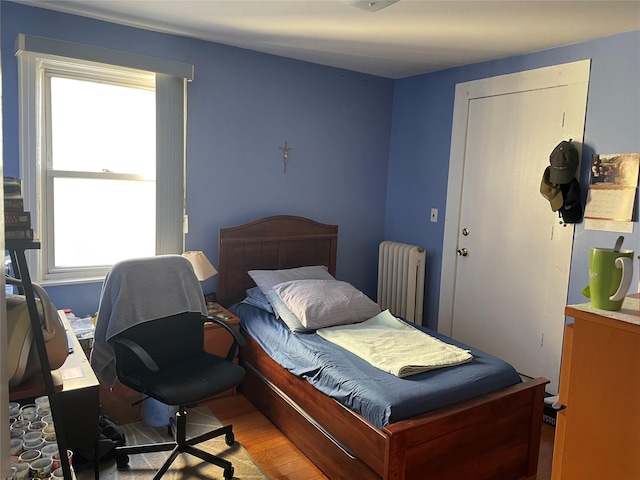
(267, 279)
(283, 313)
(324, 303)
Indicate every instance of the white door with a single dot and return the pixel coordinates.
(507, 255)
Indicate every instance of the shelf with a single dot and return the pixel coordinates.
(67, 398)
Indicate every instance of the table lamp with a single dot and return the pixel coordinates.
(201, 265)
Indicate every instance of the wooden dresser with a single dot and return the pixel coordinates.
(598, 433)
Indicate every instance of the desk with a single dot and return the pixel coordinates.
(78, 389)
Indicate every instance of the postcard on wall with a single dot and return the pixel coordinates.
(612, 192)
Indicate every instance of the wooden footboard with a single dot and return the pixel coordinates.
(495, 436)
(492, 437)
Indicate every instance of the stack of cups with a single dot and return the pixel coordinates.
(33, 442)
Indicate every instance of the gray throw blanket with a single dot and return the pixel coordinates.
(137, 291)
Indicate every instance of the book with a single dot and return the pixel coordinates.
(18, 234)
(17, 219)
(12, 186)
(14, 204)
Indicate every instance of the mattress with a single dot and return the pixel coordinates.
(379, 397)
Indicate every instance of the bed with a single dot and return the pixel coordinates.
(491, 436)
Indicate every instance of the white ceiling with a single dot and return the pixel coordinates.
(406, 38)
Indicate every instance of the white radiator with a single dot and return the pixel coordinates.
(401, 279)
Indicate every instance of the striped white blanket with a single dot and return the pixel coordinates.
(393, 346)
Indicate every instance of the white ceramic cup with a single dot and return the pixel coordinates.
(50, 428)
(48, 419)
(42, 401)
(27, 406)
(57, 474)
(20, 425)
(22, 471)
(36, 444)
(31, 435)
(49, 450)
(29, 456)
(56, 459)
(27, 409)
(15, 446)
(37, 426)
(43, 412)
(16, 433)
(41, 468)
(14, 409)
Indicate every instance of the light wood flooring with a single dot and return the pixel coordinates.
(281, 460)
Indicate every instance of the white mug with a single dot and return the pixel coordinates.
(49, 450)
(16, 447)
(31, 436)
(42, 467)
(57, 474)
(35, 445)
(14, 409)
(56, 459)
(29, 456)
(22, 471)
(42, 401)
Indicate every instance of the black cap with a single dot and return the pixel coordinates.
(571, 210)
(564, 163)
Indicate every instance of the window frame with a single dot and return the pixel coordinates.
(36, 57)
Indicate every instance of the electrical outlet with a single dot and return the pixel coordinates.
(434, 215)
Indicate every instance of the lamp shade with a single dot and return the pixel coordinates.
(201, 265)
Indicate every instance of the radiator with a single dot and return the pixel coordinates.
(401, 270)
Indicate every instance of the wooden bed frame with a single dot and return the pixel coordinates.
(494, 436)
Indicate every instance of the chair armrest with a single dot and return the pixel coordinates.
(238, 340)
(139, 352)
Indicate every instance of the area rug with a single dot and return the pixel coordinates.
(185, 467)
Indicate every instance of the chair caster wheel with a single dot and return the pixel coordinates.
(229, 439)
(122, 461)
(228, 473)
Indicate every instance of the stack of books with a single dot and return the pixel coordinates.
(17, 222)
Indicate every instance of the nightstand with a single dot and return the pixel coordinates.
(216, 339)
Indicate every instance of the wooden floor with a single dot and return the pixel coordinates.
(281, 460)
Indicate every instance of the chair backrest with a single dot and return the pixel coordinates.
(169, 341)
(137, 291)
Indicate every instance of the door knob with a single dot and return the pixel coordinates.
(463, 252)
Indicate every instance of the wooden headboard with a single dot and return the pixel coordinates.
(271, 243)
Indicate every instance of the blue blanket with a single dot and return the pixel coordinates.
(379, 397)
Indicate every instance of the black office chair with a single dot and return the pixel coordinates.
(165, 360)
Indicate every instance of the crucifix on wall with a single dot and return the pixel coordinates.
(285, 153)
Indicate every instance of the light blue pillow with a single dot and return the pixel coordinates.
(258, 299)
(283, 313)
(324, 303)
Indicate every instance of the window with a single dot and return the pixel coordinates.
(102, 156)
(99, 168)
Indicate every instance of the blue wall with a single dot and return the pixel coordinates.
(421, 137)
(369, 154)
(242, 106)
